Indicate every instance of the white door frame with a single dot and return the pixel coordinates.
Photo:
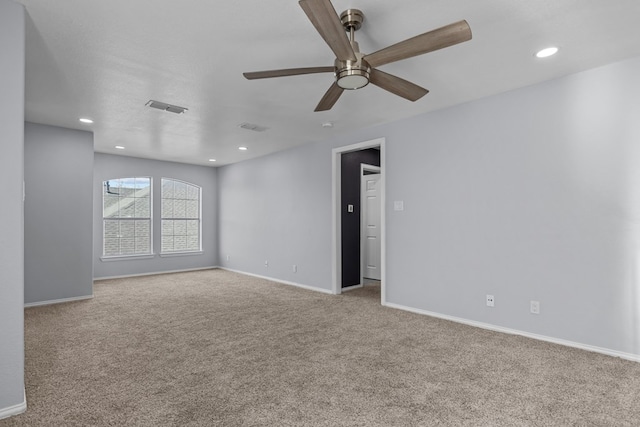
(370, 168)
(336, 196)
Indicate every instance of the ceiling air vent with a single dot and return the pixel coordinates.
(251, 126)
(166, 107)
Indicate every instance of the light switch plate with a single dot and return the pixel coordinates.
(535, 307)
(398, 205)
(350, 208)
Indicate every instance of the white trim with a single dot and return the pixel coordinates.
(126, 257)
(173, 254)
(57, 301)
(284, 282)
(153, 273)
(609, 352)
(383, 221)
(336, 223)
(10, 411)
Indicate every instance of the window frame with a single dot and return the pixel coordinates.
(189, 251)
(120, 256)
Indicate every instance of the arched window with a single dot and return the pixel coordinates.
(126, 215)
(180, 216)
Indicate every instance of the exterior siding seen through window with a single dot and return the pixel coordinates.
(126, 212)
(180, 216)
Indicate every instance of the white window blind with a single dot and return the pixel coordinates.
(126, 213)
(180, 216)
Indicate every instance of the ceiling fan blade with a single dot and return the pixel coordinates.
(326, 20)
(440, 38)
(330, 98)
(287, 72)
(396, 85)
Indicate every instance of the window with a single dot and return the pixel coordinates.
(126, 215)
(180, 216)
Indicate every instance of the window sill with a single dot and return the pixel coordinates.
(173, 254)
(126, 257)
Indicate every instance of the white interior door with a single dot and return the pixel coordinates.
(370, 234)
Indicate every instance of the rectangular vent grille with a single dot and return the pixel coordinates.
(253, 127)
(166, 107)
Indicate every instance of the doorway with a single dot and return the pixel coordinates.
(338, 209)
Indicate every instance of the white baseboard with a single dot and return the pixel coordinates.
(284, 282)
(609, 352)
(15, 409)
(57, 301)
(153, 273)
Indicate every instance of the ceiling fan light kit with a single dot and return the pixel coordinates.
(354, 70)
(352, 74)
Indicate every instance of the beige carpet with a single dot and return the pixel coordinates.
(216, 348)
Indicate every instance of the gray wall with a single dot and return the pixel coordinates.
(277, 209)
(58, 213)
(533, 194)
(107, 166)
(12, 60)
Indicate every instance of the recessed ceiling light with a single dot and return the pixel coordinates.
(242, 148)
(549, 51)
(212, 160)
(119, 147)
(85, 120)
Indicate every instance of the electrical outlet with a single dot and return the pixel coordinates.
(490, 301)
(535, 307)
(295, 268)
(228, 257)
(266, 264)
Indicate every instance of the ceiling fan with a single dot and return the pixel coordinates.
(353, 69)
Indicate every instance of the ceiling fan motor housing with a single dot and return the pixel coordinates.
(352, 74)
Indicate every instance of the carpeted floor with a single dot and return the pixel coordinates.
(215, 348)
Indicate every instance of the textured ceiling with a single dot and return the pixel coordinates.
(106, 59)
